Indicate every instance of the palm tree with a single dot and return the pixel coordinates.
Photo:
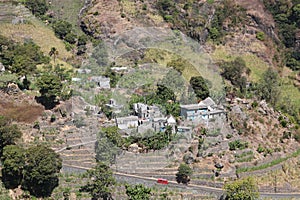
(53, 52)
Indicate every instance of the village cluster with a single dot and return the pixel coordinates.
(150, 117)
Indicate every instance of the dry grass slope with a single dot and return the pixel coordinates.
(39, 33)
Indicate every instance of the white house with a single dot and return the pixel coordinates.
(206, 109)
(129, 122)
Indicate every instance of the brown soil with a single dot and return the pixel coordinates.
(20, 108)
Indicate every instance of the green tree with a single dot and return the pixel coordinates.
(50, 87)
(172, 109)
(234, 72)
(200, 87)
(13, 161)
(53, 53)
(175, 81)
(183, 174)
(112, 133)
(42, 166)
(9, 134)
(22, 59)
(82, 40)
(163, 94)
(269, 86)
(114, 77)
(177, 64)
(7, 78)
(106, 150)
(71, 38)
(100, 182)
(62, 28)
(243, 189)
(37, 7)
(138, 192)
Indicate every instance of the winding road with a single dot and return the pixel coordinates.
(149, 181)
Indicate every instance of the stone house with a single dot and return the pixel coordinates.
(112, 104)
(146, 112)
(101, 81)
(184, 129)
(159, 124)
(84, 71)
(2, 68)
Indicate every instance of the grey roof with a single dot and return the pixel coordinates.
(214, 112)
(129, 118)
(209, 102)
(193, 106)
(184, 127)
(99, 78)
(159, 119)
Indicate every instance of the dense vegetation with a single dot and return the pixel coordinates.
(242, 189)
(162, 96)
(21, 58)
(200, 87)
(37, 7)
(9, 134)
(236, 71)
(191, 18)
(110, 142)
(35, 169)
(228, 12)
(184, 173)
(138, 192)
(287, 18)
(100, 182)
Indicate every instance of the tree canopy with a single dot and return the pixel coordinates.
(35, 169)
(13, 161)
(235, 71)
(243, 189)
(183, 174)
(37, 7)
(41, 169)
(138, 192)
(62, 28)
(100, 182)
(269, 86)
(200, 87)
(22, 59)
(9, 133)
(50, 87)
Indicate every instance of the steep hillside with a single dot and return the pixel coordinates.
(24, 26)
(149, 51)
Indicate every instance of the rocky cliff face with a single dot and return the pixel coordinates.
(105, 19)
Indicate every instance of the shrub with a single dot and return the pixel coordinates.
(284, 123)
(229, 136)
(286, 135)
(260, 36)
(71, 38)
(260, 149)
(237, 144)
(53, 118)
(37, 7)
(144, 7)
(254, 104)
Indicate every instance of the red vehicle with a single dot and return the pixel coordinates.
(162, 181)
